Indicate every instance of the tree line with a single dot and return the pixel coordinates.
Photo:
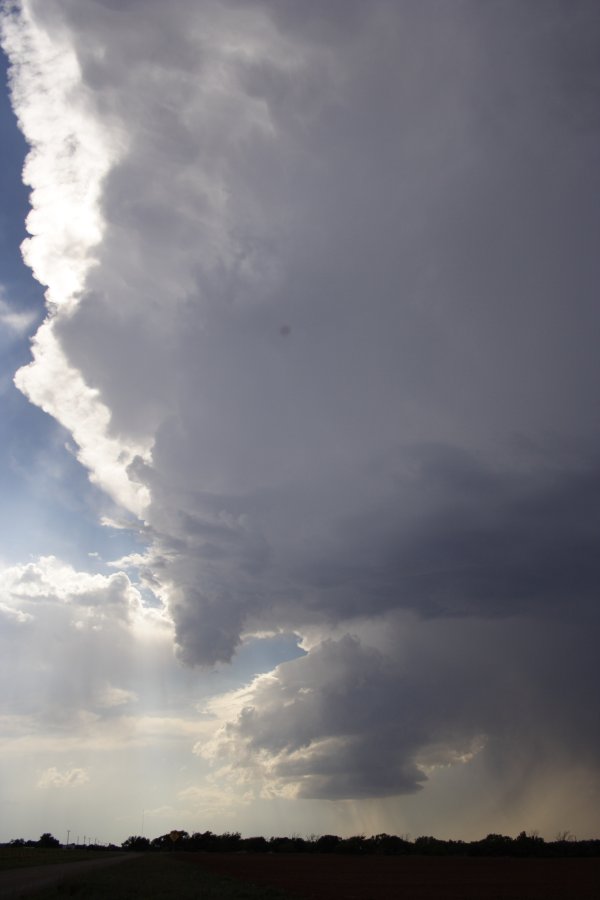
(565, 844)
(384, 844)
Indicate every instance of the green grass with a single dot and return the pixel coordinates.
(155, 877)
(24, 857)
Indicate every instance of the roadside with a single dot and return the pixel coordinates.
(21, 882)
(151, 876)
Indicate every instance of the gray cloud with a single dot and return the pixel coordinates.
(409, 190)
(455, 537)
(350, 720)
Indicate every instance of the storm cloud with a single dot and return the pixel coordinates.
(329, 339)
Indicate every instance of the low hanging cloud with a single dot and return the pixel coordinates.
(376, 715)
(325, 323)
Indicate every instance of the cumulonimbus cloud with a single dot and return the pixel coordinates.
(324, 321)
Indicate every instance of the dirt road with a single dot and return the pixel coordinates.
(21, 882)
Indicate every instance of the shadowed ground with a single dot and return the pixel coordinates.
(323, 877)
(19, 882)
(147, 876)
(246, 876)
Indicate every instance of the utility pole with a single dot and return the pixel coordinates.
(68, 833)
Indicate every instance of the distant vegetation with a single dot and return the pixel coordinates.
(48, 842)
(385, 844)
(565, 845)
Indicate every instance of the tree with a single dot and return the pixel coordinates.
(48, 840)
(136, 842)
(255, 844)
(327, 843)
(389, 844)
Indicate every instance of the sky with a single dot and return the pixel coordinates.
(300, 445)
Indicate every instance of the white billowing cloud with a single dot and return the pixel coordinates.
(58, 388)
(77, 645)
(71, 778)
(72, 150)
(329, 327)
(51, 579)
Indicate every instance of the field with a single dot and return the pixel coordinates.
(241, 876)
(323, 877)
(24, 857)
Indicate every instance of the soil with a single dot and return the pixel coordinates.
(332, 877)
(20, 882)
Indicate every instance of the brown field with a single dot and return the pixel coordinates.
(331, 877)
